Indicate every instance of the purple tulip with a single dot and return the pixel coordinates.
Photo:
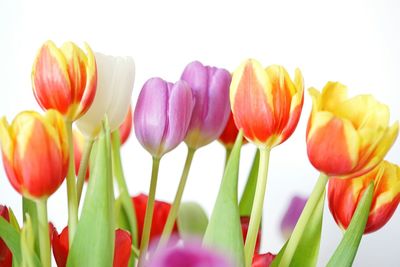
(189, 255)
(210, 86)
(162, 115)
(292, 215)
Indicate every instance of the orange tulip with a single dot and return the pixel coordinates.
(35, 152)
(266, 103)
(347, 137)
(64, 79)
(344, 194)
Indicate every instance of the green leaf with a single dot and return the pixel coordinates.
(29, 207)
(224, 229)
(11, 237)
(29, 257)
(246, 201)
(13, 220)
(192, 220)
(93, 244)
(346, 251)
(306, 253)
(120, 215)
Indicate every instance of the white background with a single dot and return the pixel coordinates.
(354, 42)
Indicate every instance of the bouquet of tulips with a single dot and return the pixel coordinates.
(86, 99)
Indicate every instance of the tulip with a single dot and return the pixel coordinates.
(228, 136)
(64, 79)
(292, 215)
(113, 96)
(344, 195)
(161, 210)
(210, 87)
(122, 248)
(266, 103)
(126, 126)
(347, 137)
(5, 253)
(35, 152)
(244, 221)
(188, 255)
(162, 115)
(263, 260)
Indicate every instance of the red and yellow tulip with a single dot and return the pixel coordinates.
(344, 194)
(266, 103)
(35, 152)
(347, 137)
(126, 127)
(64, 79)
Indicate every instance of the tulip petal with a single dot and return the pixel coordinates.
(122, 86)
(150, 117)
(337, 136)
(50, 79)
(249, 102)
(180, 109)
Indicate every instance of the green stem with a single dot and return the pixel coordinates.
(83, 166)
(256, 211)
(122, 187)
(246, 201)
(44, 238)
(71, 188)
(312, 202)
(173, 213)
(144, 243)
(227, 155)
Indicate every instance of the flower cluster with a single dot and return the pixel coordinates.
(86, 98)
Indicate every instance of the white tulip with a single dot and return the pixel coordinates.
(115, 78)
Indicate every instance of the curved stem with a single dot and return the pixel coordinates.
(144, 243)
(71, 187)
(83, 166)
(256, 211)
(312, 202)
(122, 186)
(44, 238)
(173, 212)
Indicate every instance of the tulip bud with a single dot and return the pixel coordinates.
(116, 76)
(126, 126)
(344, 195)
(210, 87)
(64, 79)
(228, 136)
(292, 215)
(188, 255)
(160, 215)
(122, 247)
(35, 152)
(244, 221)
(263, 260)
(162, 115)
(5, 253)
(79, 143)
(266, 103)
(347, 137)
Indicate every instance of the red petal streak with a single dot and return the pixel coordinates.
(252, 112)
(51, 87)
(41, 168)
(327, 149)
